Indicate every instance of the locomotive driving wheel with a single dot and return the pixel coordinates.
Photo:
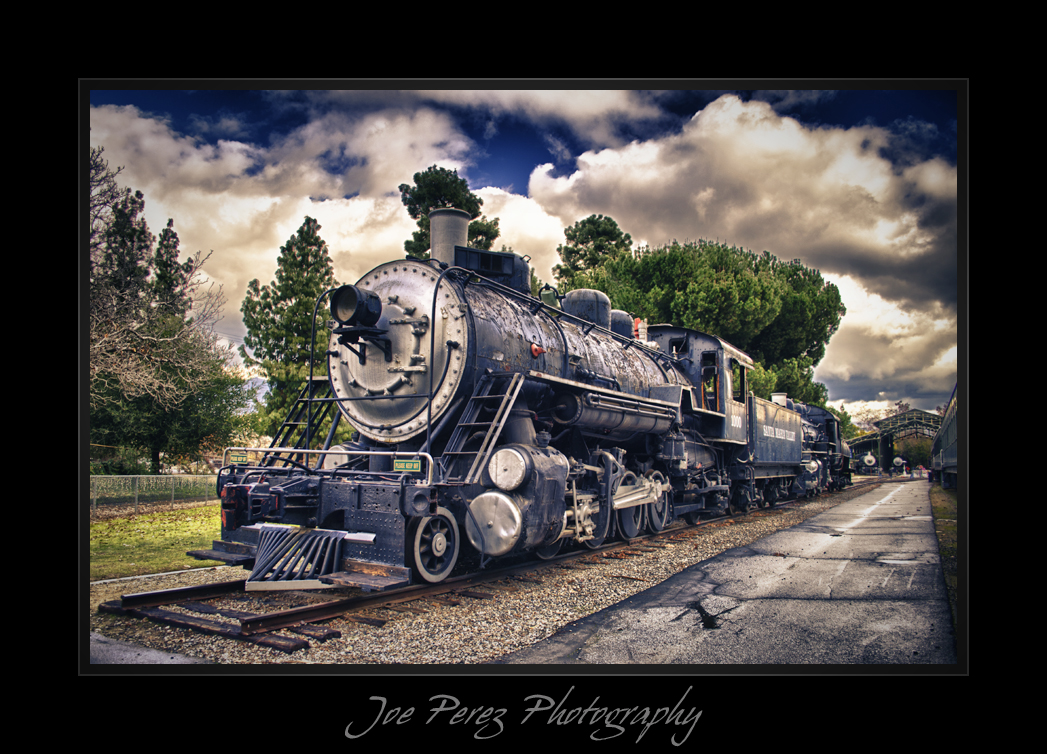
(548, 552)
(435, 545)
(658, 512)
(630, 520)
(601, 522)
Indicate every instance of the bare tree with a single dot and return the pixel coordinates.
(143, 348)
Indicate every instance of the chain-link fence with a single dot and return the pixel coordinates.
(125, 495)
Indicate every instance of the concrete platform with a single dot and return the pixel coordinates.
(858, 584)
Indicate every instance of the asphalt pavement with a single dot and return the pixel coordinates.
(106, 651)
(858, 584)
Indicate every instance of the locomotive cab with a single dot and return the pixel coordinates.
(718, 371)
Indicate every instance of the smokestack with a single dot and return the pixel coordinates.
(448, 227)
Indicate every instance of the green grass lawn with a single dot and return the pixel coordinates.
(943, 504)
(152, 542)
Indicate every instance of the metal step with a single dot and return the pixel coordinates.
(229, 558)
(371, 577)
(230, 553)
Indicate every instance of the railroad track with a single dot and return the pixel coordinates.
(196, 611)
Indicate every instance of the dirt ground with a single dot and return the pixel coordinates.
(106, 512)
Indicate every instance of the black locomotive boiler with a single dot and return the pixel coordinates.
(493, 423)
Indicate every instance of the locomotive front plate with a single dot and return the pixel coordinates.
(396, 373)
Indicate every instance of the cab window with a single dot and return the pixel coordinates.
(710, 386)
(737, 381)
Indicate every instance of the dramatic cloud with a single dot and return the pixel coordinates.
(525, 227)
(740, 173)
(887, 351)
(245, 201)
(593, 116)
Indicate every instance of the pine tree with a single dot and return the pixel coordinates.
(105, 192)
(592, 242)
(128, 249)
(169, 277)
(279, 319)
(436, 188)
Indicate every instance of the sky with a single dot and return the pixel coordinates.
(865, 182)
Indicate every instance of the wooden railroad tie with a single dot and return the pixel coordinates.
(205, 625)
(378, 622)
(405, 609)
(444, 601)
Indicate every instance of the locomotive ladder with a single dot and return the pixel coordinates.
(469, 426)
(296, 426)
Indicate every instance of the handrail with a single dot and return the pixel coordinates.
(339, 451)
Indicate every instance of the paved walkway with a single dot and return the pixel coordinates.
(106, 651)
(858, 584)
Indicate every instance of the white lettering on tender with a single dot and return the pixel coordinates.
(778, 432)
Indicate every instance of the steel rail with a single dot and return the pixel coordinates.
(181, 594)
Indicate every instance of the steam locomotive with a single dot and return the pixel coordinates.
(494, 423)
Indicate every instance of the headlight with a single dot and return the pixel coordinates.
(356, 306)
